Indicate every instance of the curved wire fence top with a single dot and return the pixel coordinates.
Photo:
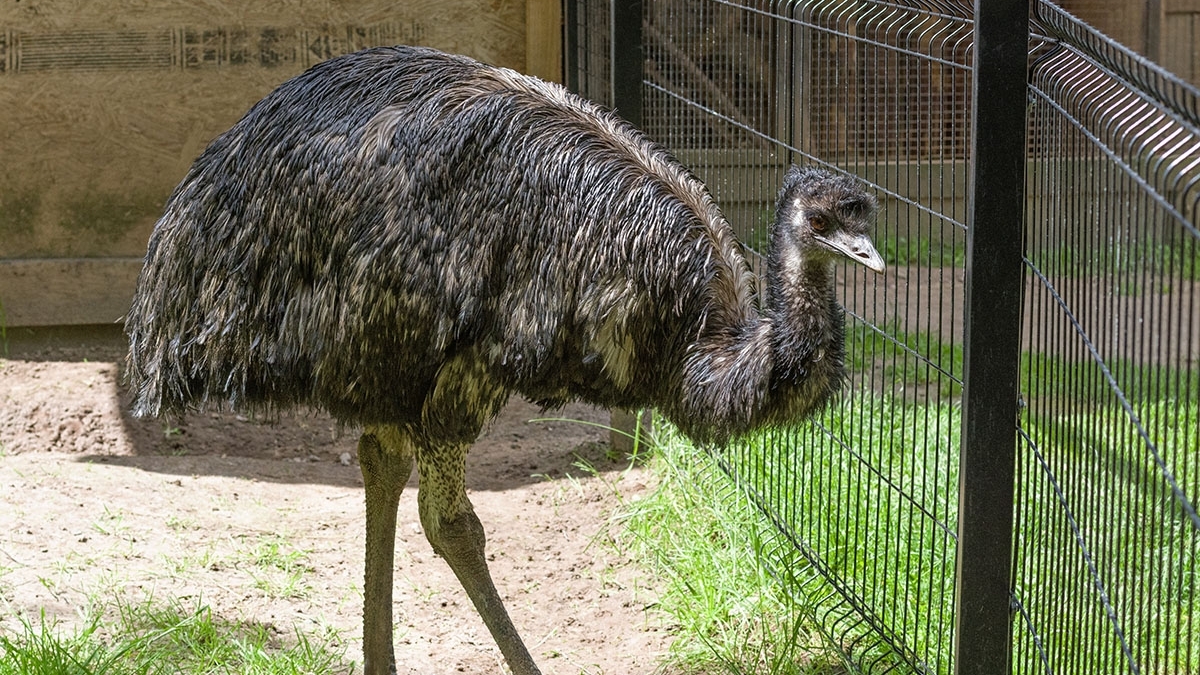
(1174, 94)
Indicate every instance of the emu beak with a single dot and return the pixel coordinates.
(857, 248)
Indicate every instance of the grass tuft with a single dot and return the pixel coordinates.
(711, 552)
(137, 639)
(278, 569)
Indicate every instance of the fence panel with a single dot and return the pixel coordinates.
(1108, 456)
(867, 492)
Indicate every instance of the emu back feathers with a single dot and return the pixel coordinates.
(405, 236)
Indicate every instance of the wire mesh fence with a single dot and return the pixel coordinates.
(1109, 456)
(1106, 535)
(587, 56)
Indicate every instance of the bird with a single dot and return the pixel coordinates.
(405, 238)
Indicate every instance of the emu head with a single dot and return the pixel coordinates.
(823, 216)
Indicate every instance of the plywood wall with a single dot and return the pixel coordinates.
(107, 102)
(1164, 31)
(1122, 20)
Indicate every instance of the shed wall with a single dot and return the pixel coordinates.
(107, 104)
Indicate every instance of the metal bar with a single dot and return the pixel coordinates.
(571, 44)
(983, 632)
(627, 60)
(628, 65)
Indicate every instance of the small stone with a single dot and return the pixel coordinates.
(344, 459)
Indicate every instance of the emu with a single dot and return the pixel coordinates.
(404, 238)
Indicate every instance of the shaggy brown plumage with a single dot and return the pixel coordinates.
(404, 238)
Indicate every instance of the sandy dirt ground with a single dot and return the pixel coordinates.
(263, 522)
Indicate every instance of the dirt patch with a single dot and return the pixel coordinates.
(263, 522)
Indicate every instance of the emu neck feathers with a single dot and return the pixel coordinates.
(773, 368)
(803, 312)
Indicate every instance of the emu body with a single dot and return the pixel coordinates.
(405, 238)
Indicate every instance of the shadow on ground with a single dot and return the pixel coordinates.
(62, 391)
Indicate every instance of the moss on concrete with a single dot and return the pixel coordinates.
(18, 210)
(109, 216)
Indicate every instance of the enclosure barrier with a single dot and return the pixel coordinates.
(1098, 418)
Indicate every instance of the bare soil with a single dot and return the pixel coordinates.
(262, 521)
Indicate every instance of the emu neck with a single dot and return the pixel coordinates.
(775, 368)
(801, 310)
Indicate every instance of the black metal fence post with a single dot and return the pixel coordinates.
(983, 631)
(627, 59)
(571, 45)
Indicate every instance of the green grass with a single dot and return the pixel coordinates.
(1109, 494)
(1060, 379)
(278, 568)
(921, 361)
(711, 552)
(137, 639)
(877, 507)
(898, 251)
(1176, 260)
(905, 358)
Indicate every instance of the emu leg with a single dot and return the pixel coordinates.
(456, 535)
(386, 459)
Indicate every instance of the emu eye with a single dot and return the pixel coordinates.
(818, 223)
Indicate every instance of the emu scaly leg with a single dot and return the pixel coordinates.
(457, 536)
(386, 459)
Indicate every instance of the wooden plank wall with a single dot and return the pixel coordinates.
(107, 104)
(1165, 31)
(1179, 39)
